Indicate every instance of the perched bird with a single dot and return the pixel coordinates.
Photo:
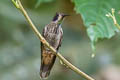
(53, 33)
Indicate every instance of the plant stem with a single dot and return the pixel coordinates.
(111, 15)
(72, 67)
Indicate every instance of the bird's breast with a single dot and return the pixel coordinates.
(53, 38)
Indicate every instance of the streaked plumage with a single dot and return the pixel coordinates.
(53, 34)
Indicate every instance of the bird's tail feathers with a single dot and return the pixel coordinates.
(44, 72)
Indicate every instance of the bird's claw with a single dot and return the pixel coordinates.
(61, 62)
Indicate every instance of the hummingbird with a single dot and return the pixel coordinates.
(53, 33)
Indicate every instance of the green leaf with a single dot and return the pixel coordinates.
(93, 14)
(41, 1)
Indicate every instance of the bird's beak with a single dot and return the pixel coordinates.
(65, 15)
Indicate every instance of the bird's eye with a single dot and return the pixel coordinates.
(55, 17)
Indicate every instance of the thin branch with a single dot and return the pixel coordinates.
(111, 15)
(18, 5)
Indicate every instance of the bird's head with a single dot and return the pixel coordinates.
(59, 17)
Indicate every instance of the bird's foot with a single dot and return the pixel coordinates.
(61, 62)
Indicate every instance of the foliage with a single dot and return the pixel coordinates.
(93, 14)
(42, 1)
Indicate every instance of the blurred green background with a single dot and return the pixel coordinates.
(20, 48)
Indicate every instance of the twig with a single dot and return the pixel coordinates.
(18, 5)
(111, 15)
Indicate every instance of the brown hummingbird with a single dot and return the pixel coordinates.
(53, 33)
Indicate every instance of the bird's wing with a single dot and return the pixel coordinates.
(61, 38)
(42, 43)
